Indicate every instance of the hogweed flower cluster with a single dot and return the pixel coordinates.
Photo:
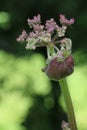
(60, 62)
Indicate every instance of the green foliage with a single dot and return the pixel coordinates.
(4, 20)
(20, 79)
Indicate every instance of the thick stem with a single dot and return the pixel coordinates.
(69, 106)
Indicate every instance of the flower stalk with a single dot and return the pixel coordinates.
(68, 103)
(60, 62)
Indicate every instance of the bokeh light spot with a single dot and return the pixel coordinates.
(4, 20)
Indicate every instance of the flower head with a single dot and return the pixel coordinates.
(50, 25)
(65, 21)
(34, 21)
(60, 62)
(22, 37)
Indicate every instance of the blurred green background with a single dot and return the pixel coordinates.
(28, 99)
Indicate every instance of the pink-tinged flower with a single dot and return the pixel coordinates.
(38, 28)
(34, 21)
(50, 25)
(61, 31)
(65, 125)
(57, 69)
(22, 37)
(65, 21)
(33, 35)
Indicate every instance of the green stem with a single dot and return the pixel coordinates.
(69, 106)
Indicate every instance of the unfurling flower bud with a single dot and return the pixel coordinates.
(57, 69)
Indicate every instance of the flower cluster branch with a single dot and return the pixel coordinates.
(44, 35)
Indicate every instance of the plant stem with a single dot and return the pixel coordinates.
(69, 106)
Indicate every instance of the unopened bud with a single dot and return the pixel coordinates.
(57, 69)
